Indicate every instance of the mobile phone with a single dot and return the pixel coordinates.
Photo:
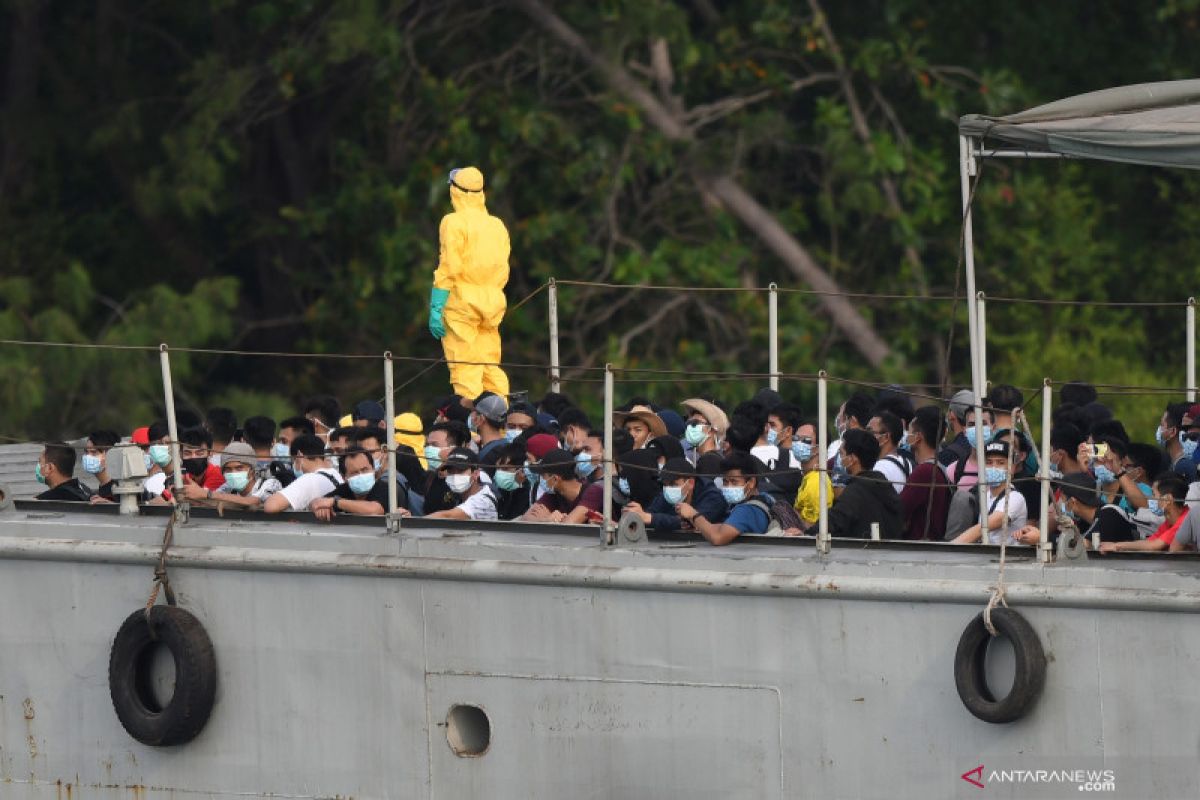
(1099, 450)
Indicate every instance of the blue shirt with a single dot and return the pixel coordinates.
(748, 518)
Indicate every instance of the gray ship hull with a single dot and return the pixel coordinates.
(676, 669)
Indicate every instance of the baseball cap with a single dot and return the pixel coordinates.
(996, 449)
(677, 468)
(540, 444)
(368, 410)
(493, 408)
(460, 458)
(962, 402)
(240, 453)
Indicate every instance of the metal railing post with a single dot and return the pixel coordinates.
(823, 540)
(389, 406)
(981, 322)
(773, 334)
(555, 377)
(967, 166)
(181, 504)
(1191, 350)
(606, 534)
(1044, 549)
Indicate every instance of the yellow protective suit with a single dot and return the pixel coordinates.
(474, 269)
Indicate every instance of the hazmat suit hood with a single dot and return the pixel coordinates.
(466, 190)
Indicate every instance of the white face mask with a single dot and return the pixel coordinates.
(458, 483)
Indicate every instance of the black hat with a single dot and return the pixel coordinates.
(556, 462)
(678, 468)
(368, 410)
(996, 449)
(460, 458)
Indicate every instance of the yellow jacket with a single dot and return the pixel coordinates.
(474, 260)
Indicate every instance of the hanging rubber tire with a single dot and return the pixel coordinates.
(971, 678)
(129, 680)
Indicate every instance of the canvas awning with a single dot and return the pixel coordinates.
(1146, 123)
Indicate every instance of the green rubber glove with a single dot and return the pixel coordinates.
(437, 304)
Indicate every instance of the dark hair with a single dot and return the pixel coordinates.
(260, 431)
(892, 425)
(1117, 445)
(893, 402)
(1175, 414)
(1070, 414)
(104, 438)
(863, 446)
(187, 418)
(1004, 398)
(564, 470)
(511, 454)
(347, 432)
(157, 430)
(930, 423)
(743, 434)
(1172, 483)
(742, 462)
(324, 407)
(1147, 456)
(753, 411)
(308, 445)
(458, 433)
(554, 403)
(1080, 486)
(222, 423)
(668, 446)
(352, 450)
(1023, 443)
(1066, 437)
(622, 442)
(1096, 413)
(573, 416)
(858, 407)
(638, 400)
(62, 456)
(368, 432)
(302, 425)
(788, 414)
(196, 437)
(1077, 393)
(1109, 428)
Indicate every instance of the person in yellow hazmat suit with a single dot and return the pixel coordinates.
(467, 302)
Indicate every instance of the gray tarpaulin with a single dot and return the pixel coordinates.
(1147, 123)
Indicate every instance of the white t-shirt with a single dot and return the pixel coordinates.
(481, 505)
(311, 486)
(263, 488)
(155, 484)
(769, 454)
(890, 469)
(1018, 515)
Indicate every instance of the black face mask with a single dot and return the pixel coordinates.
(195, 466)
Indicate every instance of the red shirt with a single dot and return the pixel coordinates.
(1166, 532)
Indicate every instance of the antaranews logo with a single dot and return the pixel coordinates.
(1086, 780)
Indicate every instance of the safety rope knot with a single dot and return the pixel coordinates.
(162, 582)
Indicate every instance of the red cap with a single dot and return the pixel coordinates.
(540, 444)
(141, 436)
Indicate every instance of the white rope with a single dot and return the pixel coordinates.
(999, 597)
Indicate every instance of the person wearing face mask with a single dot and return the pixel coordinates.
(642, 424)
(1167, 498)
(442, 439)
(54, 469)
(196, 447)
(1007, 512)
(281, 451)
(893, 463)
(316, 477)
(956, 427)
(854, 414)
(573, 427)
(536, 448)
(476, 500)
(964, 473)
(1179, 443)
(774, 447)
(520, 418)
(589, 461)
(512, 490)
(706, 427)
(868, 497)
(486, 420)
(323, 412)
(243, 487)
(681, 487)
(95, 461)
(926, 497)
(565, 498)
(808, 498)
(739, 488)
(1095, 519)
(361, 492)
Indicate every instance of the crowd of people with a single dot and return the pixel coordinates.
(893, 470)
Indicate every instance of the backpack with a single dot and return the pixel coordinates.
(903, 460)
(781, 516)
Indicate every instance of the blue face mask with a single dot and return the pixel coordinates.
(695, 434)
(733, 494)
(237, 480)
(987, 435)
(995, 475)
(1160, 437)
(673, 494)
(506, 481)
(37, 473)
(149, 461)
(1062, 509)
(471, 426)
(92, 464)
(904, 445)
(280, 450)
(160, 454)
(433, 456)
(584, 465)
(1189, 447)
(1154, 507)
(623, 485)
(511, 434)
(544, 487)
(530, 475)
(772, 437)
(802, 451)
(1104, 474)
(361, 484)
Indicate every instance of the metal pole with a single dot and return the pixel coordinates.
(1191, 350)
(554, 373)
(823, 541)
(389, 412)
(966, 168)
(606, 534)
(773, 333)
(981, 322)
(1044, 549)
(173, 431)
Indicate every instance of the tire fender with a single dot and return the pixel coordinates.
(970, 677)
(182, 717)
